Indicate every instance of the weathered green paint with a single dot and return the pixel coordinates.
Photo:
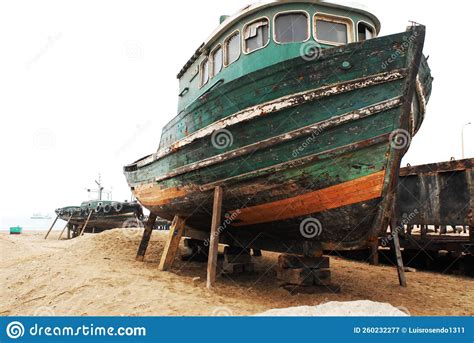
(288, 77)
(273, 54)
(298, 75)
(343, 152)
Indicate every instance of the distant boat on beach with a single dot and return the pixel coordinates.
(16, 230)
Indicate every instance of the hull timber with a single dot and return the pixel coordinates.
(309, 139)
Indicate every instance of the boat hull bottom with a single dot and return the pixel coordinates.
(343, 228)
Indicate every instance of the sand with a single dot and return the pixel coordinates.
(98, 275)
(358, 308)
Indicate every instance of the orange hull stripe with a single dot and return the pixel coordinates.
(347, 193)
(152, 196)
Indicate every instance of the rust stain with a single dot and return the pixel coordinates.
(351, 192)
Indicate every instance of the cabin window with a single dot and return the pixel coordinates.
(232, 48)
(256, 35)
(365, 31)
(204, 70)
(291, 27)
(332, 31)
(216, 61)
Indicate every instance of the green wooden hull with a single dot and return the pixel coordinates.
(296, 141)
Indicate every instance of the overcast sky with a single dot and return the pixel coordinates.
(86, 86)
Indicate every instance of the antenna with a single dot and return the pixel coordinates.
(100, 189)
(99, 184)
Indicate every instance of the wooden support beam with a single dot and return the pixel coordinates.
(374, 251)
(401, 270)
(214, 238)
(146, 237)
(76, 230)
(47, 233)
(87, 222)
(423, 232)
(65, 226)
(172, 243)
(396, 245)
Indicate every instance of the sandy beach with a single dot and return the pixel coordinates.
(98, 275)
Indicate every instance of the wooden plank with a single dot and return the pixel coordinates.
(214, 239)
(47, 233)
(338, 156)
(172, 243)
(312, 202)
(278, 105)
(396, 245)
(65, 226)
(287, 136)
(146, 237)
(374, 251)
(87, 222)
(401, 271)
(254, 171)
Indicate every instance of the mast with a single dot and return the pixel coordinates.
(100, 189)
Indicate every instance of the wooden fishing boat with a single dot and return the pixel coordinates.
(302, 115)
(100, 215)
